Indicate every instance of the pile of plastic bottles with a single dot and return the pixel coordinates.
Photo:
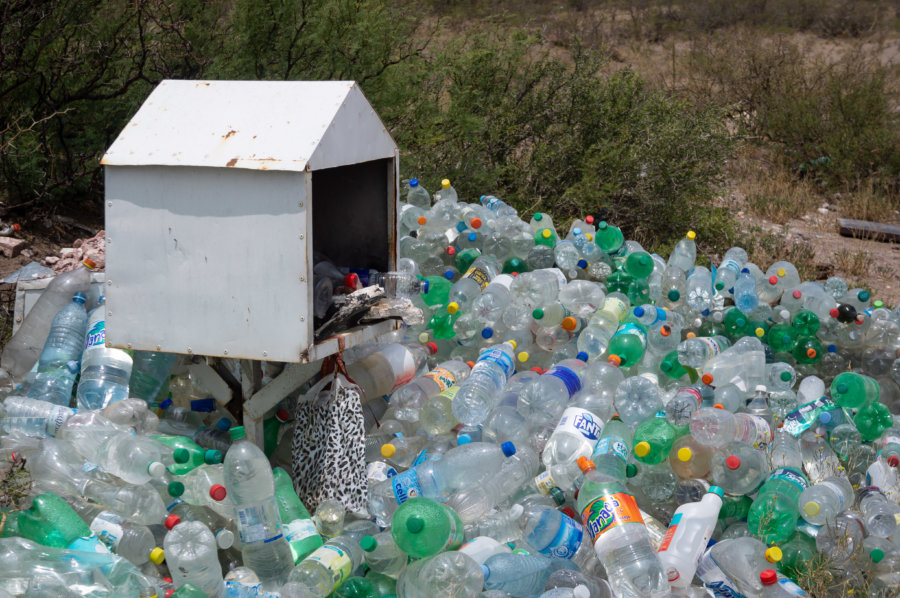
(576, 417)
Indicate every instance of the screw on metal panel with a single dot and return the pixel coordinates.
(300, 204)
(109, 283)
(189, 351)
(302, 279)
(109, 203)
(159, 347)
(265, 353)
(19, 319)
(302, 319)
(225, 352)
(130, 346)
(301, 235)
(108, 313)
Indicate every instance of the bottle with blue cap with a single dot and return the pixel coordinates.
(417, 195)
(689, 533)
(59, 361)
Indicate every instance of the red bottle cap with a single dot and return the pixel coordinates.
(283, 415)
(893, 461)
(768, 577)
(217, 492)
(732, 462)
(797, 294)
(773, 280)
(834, 312)
(351, 280)
(172, 521)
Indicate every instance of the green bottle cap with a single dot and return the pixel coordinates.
(876, 555)
(717, 491)
(785, 376)
(557, 495)
(631, 470)
(842, 388)
(368, 543)
(237, 433)
(537, 314)
(212, 457)
(673, 295)
(176, 488)
(538, 216)
(415, 524)
(181, 455)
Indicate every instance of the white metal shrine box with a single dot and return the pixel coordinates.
(218, 196)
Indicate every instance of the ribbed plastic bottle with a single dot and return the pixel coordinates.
(58, 364)
(191, 556)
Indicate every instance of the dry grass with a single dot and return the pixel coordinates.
(774, 194)
(871, 201)
(766, 248)
(853, 263)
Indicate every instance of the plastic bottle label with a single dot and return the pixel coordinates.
(108, 527)
(255, 522)
(715, 579)
(299, 529)
(616, 307)
(478, 275)
(886, 441)
(567, 540)
(837, 492)
(378, 471)
(631, 328)
(789, 586)
(456, 535)
(802, 418)
(690, 390)
(789, 475)
(569, 378)
(760, 432)
(712, 347)
(544, 482)
(335, 560)
(406, 486)
(606, 512)
(88, 544)
(57, 418)
(576, 420)
(670, 533)
(175, 502)
(500, 358)
(732, 265)
(444, 378)
(403, 364)
(96, 336)
(611, 445)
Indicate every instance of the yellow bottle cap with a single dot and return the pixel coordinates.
(760, 332)
(157, 556)
(781, 272)
(445, 183)
(546, 233)
(590, 237)
(453, 307)
(685, 454)
(523, 356)
(642, 448)
(691, 235)
(811, 508)
(773, 554)
(513, 343)
(424, 338)
(388, 450)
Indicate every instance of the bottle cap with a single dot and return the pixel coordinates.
(207, 405)
(487, 332)
(156, 469)
(569, 323)
(639, 311)
(842, 388)
(773, 554)
(237, 433)
(707, 379)
(351, 280)
(212, 457)
(413, 182)
(825, 417)
(181, 455)
(833, 312)
(720, 285)
(423, 338)
(781, 272)
(283, 415)
(388, 450)
(175, 489)
(691, 335)
(463, 439)
(642, 448)
(546, 233)
(421, 220)
(523, 356)
(217, 492)
(811, 508)
(759, 332)
(673, 295)
(89, 264)
(508, 448)
(796, 294)
(582, 356)
(614, 359)
(538, 216)
(537, 370)
(585, 464)
(568, 511)
(452, 307)
(785, 376)
(171, 521)
(224, 424)
(449, 275)
(432, 347)
(768, 577)
(773, 280)
(582, 263)
(157, 556)
(558, 496)
(472, 237)
(717, 491)
(415, 524)
(691, 235)
(368, 543)
(475, 223)
(513, 343)
(537, 314)
(685, 454)
(166, 403)
(445, 183)
(893, 461)
(631, 470)
(732, 462)
(718, 406)
(485, 572)
(665, 330)
(876, 555)
(471, 364)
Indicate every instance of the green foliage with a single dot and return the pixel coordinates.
(564, 136)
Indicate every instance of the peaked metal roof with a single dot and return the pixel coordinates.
(255, 125)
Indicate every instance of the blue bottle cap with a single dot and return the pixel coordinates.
(825, 417)
(167, 402)
(413, 182)
(639, 311)
(481, 199)
(224, 424)
(745, 270)
(73, 366)
(485, 572)
(508, 448)
(717, 491)
(448, 274)
(832, 349)
(473, 237)
(207, 405)
(582, 263)
(576, 231)
(487, 332)
(463, 439)
(461, 226)
(582, 356)
(426, 287)
(79, 298)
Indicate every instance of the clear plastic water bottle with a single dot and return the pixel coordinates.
(821, 502)
(613, 523)
(637, 398)
(382, 554)
(251, 485)
(684, 254)
(476, 395)
(417, 195)
(738, 468)
(774, 513)
(46, 417)
(518, 574)
(716, 427)
(473, 281)
(879, 513)
(447, 575)
(400, 284)
(731, 266)
(391, 366)
(191, 555)
(129, 540)
(328, 567)
(409, 398)
(25, 346)
(745, 297)
(696, 351)
(105, 374)
(58, 363)
(575, 436)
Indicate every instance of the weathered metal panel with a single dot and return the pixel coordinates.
(255, 125)
(208, 261)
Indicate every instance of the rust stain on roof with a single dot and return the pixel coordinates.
(231, 162)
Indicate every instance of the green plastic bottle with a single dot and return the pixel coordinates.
(438, 291)
(514, 265)
(781, 338)
(639, 264)
(356, 587)
(423, 527)
(383, 584)
(441, 324)
(189, 590)
(653, 439)
(618, 281)
(805, 322)
(710, 329)
(735, 323)
(608, 237)
(188, 454)
(52, 522)
(545, 236)
(463, 259)
(808, 350)
(638, 291)
(854, 391)
(735, 507)
(796, 555)
(627, 345)
(671, 367)
(774, 513)
(872, 421)
(297, 524)
(271, 428)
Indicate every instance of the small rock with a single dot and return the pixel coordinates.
(822, 210)
(77, 243)
(67, 252)
(50, 260)
(28, 253)
(11, 247)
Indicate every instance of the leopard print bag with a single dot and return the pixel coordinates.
(328, 448)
